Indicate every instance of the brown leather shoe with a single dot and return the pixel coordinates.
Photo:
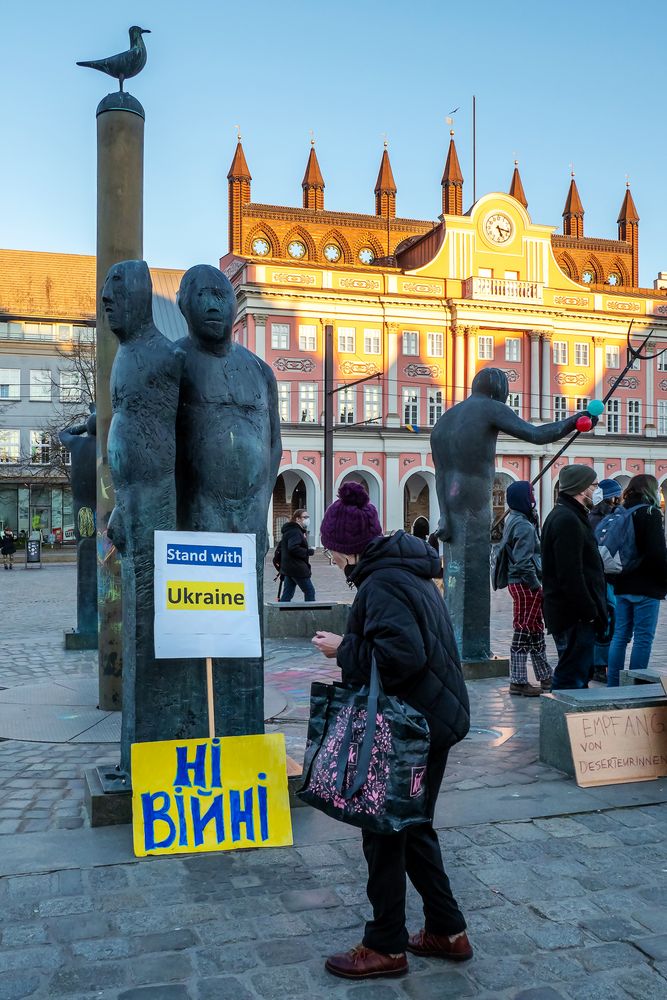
(525, 690)
(364, 963)
(439, 946)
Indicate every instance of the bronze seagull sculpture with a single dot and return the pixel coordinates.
(125, 64)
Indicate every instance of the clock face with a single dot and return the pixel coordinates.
(587, 276)
(296, 249)
(498, 228)
(260, 247)
(366, 256)
(332, 252)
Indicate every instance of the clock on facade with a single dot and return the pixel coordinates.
(498, 228)
(332, 252)
(260, 247)
(366, 255)
(296, 249)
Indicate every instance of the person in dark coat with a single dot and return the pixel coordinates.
(521, 539)
(399, 616)
(606, 499)
(640, 590)
(295, 557)
(575, 602)
(8, 548)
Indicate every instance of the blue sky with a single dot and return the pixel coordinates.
(555, 83)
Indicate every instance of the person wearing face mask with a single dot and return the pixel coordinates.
(521, 540)
(605, 498)
(575, 601)
(295, 557)
(639, 590)
(399, 616)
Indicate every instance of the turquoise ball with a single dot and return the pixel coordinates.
(595, 407)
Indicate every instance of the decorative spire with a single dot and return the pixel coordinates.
(239, 168)
(516, 187)
(628, 211)
(313, 182)
(452, 182)
(573, 213)
(385, 188)
(628, 231)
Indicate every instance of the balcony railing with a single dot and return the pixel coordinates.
(502, 290)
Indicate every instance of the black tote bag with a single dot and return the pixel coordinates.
(365, 761)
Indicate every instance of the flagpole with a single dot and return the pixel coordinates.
(474, 150)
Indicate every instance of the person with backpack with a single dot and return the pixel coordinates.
(575, 600)
(606, 500)
(8, 548)
(295, 558)
(642, 582)
(521, 541)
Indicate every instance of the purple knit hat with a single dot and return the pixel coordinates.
(351, 522)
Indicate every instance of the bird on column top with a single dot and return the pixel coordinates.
(125, 64)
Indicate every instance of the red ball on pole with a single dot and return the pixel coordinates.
(584, 423)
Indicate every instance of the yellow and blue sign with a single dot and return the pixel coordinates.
(197, 573)
(216, 794)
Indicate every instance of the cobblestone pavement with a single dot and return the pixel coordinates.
(560, 904)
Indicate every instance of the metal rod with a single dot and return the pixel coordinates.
(474, 149)
(209, 692)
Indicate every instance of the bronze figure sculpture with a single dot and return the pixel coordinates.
(79, 440)
(463, 443)
(126, 64)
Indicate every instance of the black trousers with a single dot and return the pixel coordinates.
(415, 853)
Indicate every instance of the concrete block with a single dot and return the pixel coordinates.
(80, 640)
(495, 666)
(302, 619)
(105, 808)
(652, 675)
(554, 740)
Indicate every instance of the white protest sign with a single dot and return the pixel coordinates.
(205, 595)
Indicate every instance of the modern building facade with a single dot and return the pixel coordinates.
(417, 307)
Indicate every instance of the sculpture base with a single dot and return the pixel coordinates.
(107, 799)
(494, 666)
(80, 640)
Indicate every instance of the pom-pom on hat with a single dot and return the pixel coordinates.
(351, 522)
(574, 479)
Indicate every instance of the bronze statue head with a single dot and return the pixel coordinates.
(208, 301)
(491, 382)
(127, 297)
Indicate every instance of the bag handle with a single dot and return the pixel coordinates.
(366, 749)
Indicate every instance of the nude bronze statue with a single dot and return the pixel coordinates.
(161, 700)
(463, 443)
(228, 455)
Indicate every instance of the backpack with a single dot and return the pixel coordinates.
(276, 559)
(499, 566)
(615, 535)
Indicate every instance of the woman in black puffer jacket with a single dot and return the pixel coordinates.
(399, 615)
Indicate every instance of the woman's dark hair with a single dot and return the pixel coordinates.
(420, 527)
(299, 512)
(643, 486)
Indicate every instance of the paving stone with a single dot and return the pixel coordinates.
(226, 959)
(561, 826)
(161, 968)
(551, 935)
(506, 943)
(612, 928)
(599, 958)
(285, 951)
(15, 986)
(282, 983)
(309, 899)
(85, 978)
(655, 947)
(222, 988)
(644, 984)
(501, 973)
(433, 987)
(538, 993)
(173, 992)
(486, 835)
(596, 988)
(76, 928)
(44, 958)
(23, 934)
(65, 906)
(568, 910)
(550, 966)
(653, 917)
(523, 831)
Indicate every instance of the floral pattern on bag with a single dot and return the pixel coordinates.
(370, 798)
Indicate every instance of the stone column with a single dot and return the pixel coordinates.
(120, 215)
(650, 419)
(598, 388)
(391, 380)
(471, 355)
(534, 375)
(534, 471)
(393, 512)
(459, 364)
(547, 409)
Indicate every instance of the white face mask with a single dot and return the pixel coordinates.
(596, 496)
(305, 521)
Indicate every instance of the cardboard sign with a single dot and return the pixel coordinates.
(217, 794)
(618, 746)
(205, 595)
(663, 681)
